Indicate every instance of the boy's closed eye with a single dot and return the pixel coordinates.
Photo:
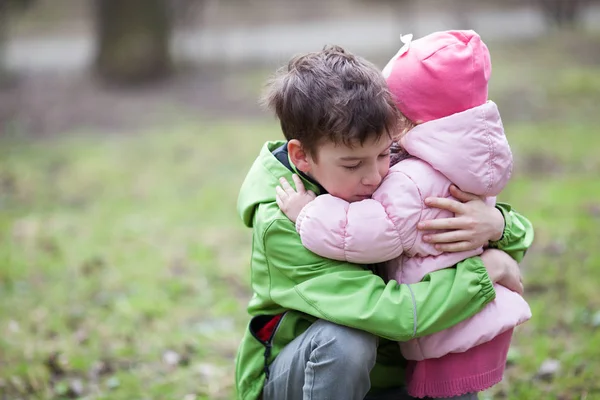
(351, 167)
(355, 166)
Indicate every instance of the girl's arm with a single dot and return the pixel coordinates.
(382, 228)
(368, 231)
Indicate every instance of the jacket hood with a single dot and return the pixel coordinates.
(262, 179)
(259, 185)
(469, 148)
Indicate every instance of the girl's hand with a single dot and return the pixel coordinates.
(290, 201)
(474, 224)
(502, 269)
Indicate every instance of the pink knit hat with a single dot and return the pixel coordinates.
(439, 75)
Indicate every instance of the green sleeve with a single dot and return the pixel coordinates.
(518, 233)
(350, 295)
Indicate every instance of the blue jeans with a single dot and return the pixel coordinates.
(328, 362)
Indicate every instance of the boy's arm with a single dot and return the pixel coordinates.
(368, 231)
(352, 296)
(518, 233)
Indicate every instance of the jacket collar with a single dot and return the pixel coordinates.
(281, 154)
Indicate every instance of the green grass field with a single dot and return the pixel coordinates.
(124, 267)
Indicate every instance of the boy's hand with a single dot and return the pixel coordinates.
(291, 202)
(474, 224)
(502, 269)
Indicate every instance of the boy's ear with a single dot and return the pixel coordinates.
(298, 156)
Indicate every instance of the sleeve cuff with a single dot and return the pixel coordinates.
(301, 217)
(504, 240)
(487, 286)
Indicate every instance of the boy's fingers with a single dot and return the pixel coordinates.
(311, 194)
(445, 204)
(520, 289)
(447, 237)
(461, 195)
(299, 184)
(442, 223)
(278, 200)
(454, 247)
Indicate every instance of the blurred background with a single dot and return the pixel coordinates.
(127, 126)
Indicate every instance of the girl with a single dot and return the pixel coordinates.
(453, 135)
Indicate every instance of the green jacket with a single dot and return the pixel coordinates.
(288, 278)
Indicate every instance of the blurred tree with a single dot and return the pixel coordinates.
(186, 13)
(562, 13)
(3, 32)
(6, 8)
(132, 40)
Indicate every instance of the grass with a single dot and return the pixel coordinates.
(562, 268)
(124, 267)
(118, 252)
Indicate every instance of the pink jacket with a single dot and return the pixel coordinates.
(468, 149)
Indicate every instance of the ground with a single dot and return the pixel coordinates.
(124, 268)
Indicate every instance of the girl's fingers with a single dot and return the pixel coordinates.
(279, 192)
(285, 184)
(299, 184)
(278, 200)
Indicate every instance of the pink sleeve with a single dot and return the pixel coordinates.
(369, 231)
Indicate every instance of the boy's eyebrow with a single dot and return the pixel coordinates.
(355, 158)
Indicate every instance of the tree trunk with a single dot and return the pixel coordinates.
(132, 40)
(562, 13)
(4, 76)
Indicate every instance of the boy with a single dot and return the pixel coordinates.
(321, 328)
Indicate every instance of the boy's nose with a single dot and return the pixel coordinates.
(372, 179)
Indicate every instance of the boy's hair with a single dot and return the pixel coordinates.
(331, 95)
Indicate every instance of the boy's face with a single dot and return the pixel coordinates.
(351, 173)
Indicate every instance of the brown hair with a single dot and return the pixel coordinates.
(331, 95)
(398, 153)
